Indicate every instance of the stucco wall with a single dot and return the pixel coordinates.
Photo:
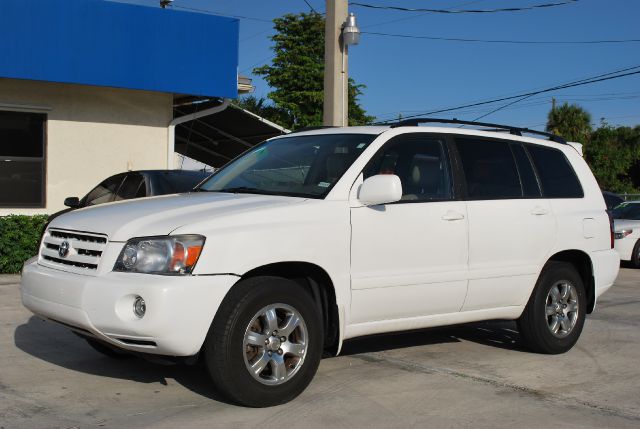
(92, 133)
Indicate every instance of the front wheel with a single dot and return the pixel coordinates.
(265, 343)
(553, 319)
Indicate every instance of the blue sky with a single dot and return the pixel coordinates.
(410, 76)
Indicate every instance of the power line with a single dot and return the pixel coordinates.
(514, 42)
(537, 101)
(449, 11)
(211, 12)
(310, 7)
(418, 15)
(270, 57)
(599, 78)
(523, 95)
(255, 35)
(503, 107)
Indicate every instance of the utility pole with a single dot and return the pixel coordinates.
(336, 103)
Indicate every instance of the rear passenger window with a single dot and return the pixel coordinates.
(556, 175)
(530, 188)
(489, 168)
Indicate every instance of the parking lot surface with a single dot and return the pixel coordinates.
(475, 375)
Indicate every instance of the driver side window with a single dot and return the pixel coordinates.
(421, 163)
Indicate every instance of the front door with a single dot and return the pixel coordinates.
(409, 258)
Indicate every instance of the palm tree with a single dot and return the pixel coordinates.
(570, 121)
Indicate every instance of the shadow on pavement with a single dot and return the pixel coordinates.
(57, 345)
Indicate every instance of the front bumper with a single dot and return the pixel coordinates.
(180, 309)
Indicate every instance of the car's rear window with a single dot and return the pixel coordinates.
(556, 175)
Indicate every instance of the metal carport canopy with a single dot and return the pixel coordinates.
(216, 139)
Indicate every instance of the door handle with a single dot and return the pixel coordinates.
(539, 211)
(451, 215)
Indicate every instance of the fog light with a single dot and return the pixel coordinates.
(139, 307)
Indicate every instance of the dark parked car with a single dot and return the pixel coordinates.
(612, 200)
(136, 184)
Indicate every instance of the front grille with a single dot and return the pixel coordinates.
(73, 263)
(81, 251)
(78, 236)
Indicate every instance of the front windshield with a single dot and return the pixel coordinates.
(629, 211)
(301, 166)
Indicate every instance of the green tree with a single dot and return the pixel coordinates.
(632, 137)
(613, 153)
(611, 157)
(296, 73)
(571, 122)
(262, 107)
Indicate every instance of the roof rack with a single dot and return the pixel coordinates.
(517, 131)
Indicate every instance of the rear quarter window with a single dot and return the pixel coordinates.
(556, 175)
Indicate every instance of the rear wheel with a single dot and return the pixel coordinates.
(265, 343)
(553, 319)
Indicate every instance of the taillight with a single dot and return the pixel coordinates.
(611, 228)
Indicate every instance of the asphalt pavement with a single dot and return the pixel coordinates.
(477, 375)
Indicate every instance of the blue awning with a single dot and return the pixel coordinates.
(96, 42)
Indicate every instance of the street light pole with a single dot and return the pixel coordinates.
(336, 103)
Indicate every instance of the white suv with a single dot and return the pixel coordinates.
(320, 236)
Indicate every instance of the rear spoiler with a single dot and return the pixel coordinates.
(577, 146)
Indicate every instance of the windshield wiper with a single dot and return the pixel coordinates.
(250, 190)
(245, 190)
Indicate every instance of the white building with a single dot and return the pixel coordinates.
(90, 88)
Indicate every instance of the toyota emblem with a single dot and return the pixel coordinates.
(63, 250)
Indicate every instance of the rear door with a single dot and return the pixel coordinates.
(511, 227)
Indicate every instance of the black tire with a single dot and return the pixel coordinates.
(224, 349)
(534, 324)
(107, 350)
(635, 256)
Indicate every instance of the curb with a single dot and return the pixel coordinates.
(9, 279)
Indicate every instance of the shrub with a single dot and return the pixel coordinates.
(19, 240)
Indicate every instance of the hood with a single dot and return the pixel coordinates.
(163, 214)
(619, 224)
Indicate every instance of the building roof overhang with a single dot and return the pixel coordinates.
(104, 43)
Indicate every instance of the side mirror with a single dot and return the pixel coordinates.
(72, 202)
(380, 189)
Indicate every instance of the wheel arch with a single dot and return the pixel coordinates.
(583, 264)
(318, 283)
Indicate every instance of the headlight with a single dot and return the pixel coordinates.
(176, 254)
(622, 234)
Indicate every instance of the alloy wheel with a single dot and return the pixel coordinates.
(561, 309)
(275, 344)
